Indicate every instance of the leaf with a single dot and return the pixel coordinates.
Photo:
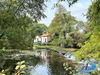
(15, 5)
(22, 62)
(63, 64)
(66, 69)
(70, 68)
(19, 63)
(70, 72)
(17, 67)
(22, 66)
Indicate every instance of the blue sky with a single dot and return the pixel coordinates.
(76, 9)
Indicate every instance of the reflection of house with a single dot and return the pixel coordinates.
(42, 54)
(45, 38)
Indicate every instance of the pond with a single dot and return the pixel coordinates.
(38, 62)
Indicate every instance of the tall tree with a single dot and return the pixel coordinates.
(62, 23)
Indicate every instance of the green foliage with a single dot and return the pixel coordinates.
(55, 42)
(16, 28)
(3, 49)
(71, 70)
(80, 26)
(20, 67)
(63, 21)
(62, 24)
(17, 33)
(92, 45)
(39, 29)
(78, 37)
(23, 7)
(69, 42)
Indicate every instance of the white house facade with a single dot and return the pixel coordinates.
(37, 38)
(43, 38)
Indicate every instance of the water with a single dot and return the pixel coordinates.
(69, 56)
(38, 62)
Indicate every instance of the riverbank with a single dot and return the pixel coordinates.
(56, 49)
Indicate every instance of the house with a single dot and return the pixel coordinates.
(45, 38)
(37, 38)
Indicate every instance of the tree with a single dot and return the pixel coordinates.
(15, 26)
(17, 35)
(62, 23)
(34, 8)
(80, 26)
(78, 38)
(92, 45)
(39, 29)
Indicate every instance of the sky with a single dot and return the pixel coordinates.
(78, 10)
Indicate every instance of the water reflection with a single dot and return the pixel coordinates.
(38, 62)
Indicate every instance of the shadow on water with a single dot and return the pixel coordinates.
(38, 62)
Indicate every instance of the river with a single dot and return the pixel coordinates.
(38, 62)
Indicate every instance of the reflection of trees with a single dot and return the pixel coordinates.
(10, 64)
(56, 65)
(31, 60)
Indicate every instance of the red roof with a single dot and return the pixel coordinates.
(44, 35)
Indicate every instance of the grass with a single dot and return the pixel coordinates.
(55, 48)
